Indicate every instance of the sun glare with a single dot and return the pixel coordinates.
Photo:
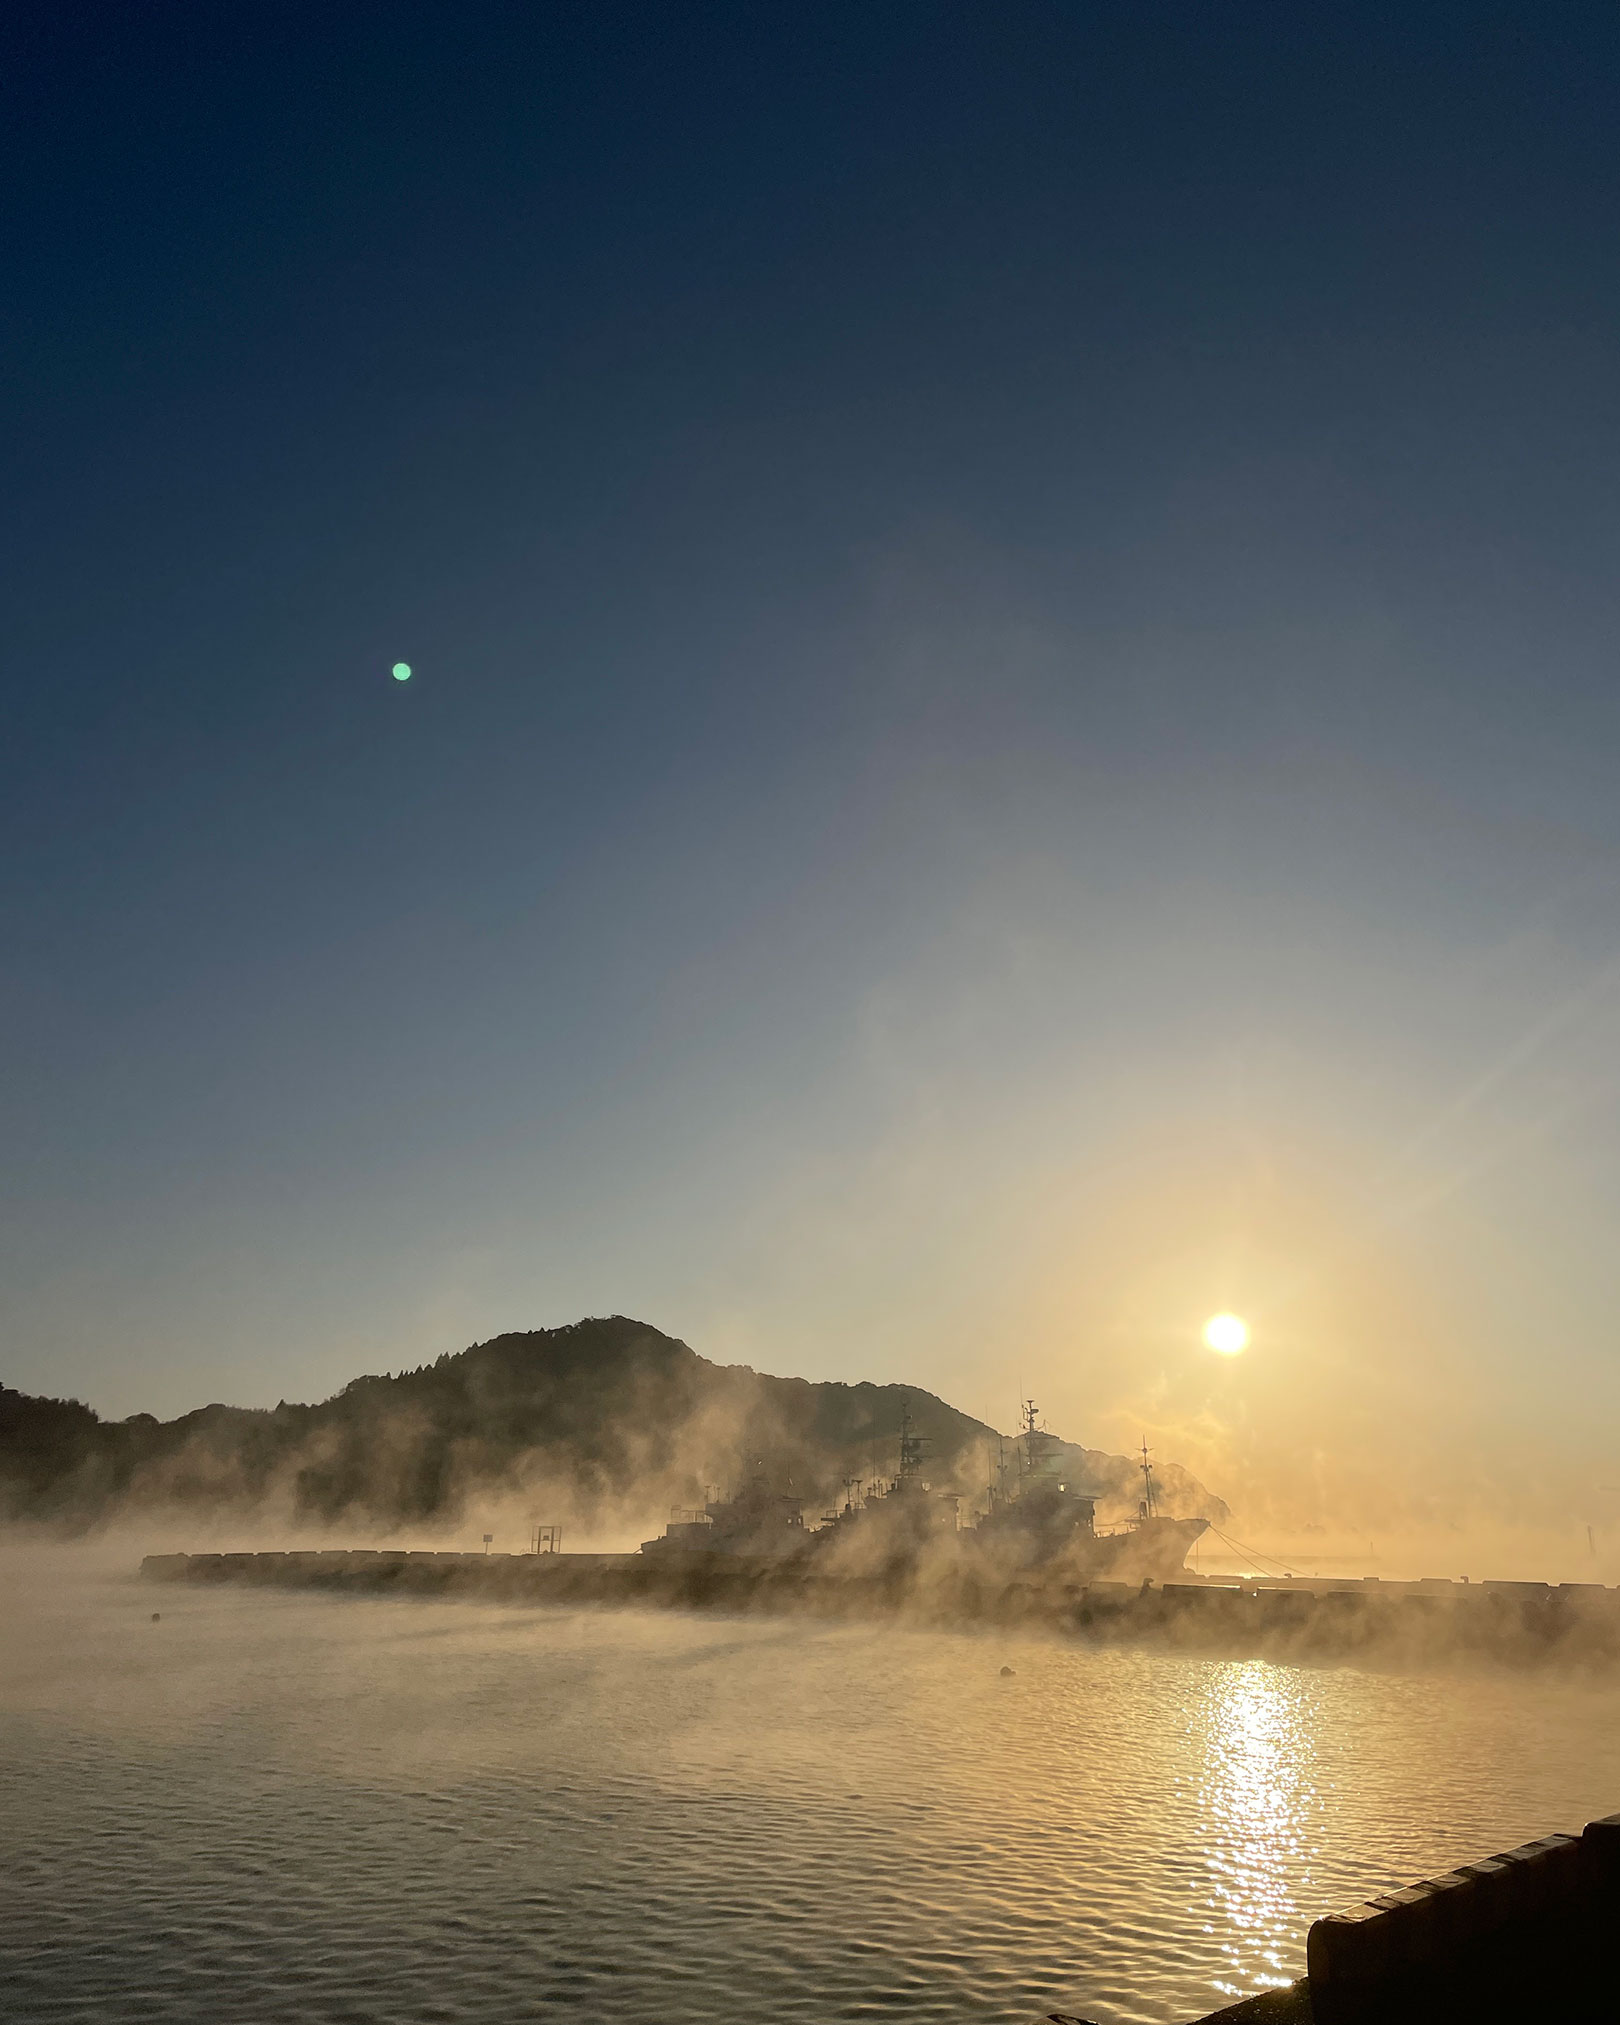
(1227, 1334)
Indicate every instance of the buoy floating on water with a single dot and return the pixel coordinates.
(1009, 1673)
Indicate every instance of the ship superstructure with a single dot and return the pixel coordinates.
(1039, 1514)
(897, 1517)
(1039, 1519)
(758, 1520)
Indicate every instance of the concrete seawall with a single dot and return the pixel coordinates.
(1518, 1621)
(1529, 1623)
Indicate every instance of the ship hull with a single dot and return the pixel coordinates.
(1154, 1551)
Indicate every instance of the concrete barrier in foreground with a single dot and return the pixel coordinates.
(1524, 1934)
(1516, 1938)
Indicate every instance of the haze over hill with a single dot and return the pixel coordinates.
(601, 1425)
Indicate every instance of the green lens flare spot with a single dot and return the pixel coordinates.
(402, 671)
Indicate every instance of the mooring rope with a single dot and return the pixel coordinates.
(1264, 1564)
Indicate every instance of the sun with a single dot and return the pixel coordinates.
(1227, 1334)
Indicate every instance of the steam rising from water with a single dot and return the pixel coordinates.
(270, 1805)
(599, 1427)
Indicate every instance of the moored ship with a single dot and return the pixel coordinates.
(1040, 1520)
(1036, 1523)
(757, 1521)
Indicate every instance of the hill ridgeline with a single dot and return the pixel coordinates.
(600, 1426)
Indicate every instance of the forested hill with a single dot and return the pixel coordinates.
(602, 1425)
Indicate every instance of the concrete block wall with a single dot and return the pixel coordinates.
(1521, 1934)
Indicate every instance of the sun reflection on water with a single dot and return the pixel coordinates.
(1257, 1795)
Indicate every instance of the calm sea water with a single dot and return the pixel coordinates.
(269, 1807)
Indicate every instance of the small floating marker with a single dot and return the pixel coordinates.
(1009, 1673)
(157, 1616)
(402, 671)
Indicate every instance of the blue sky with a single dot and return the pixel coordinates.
(1014, 732)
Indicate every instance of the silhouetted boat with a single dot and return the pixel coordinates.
(1037, 1521)
(758, 1521)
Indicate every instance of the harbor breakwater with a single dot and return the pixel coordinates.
(1305, 1621)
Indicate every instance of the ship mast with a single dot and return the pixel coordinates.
(1150, 1502)
(1030, 1414)
(911, 1447)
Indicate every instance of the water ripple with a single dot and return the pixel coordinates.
(279, 1808)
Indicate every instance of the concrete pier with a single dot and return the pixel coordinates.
(1289, 1621)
